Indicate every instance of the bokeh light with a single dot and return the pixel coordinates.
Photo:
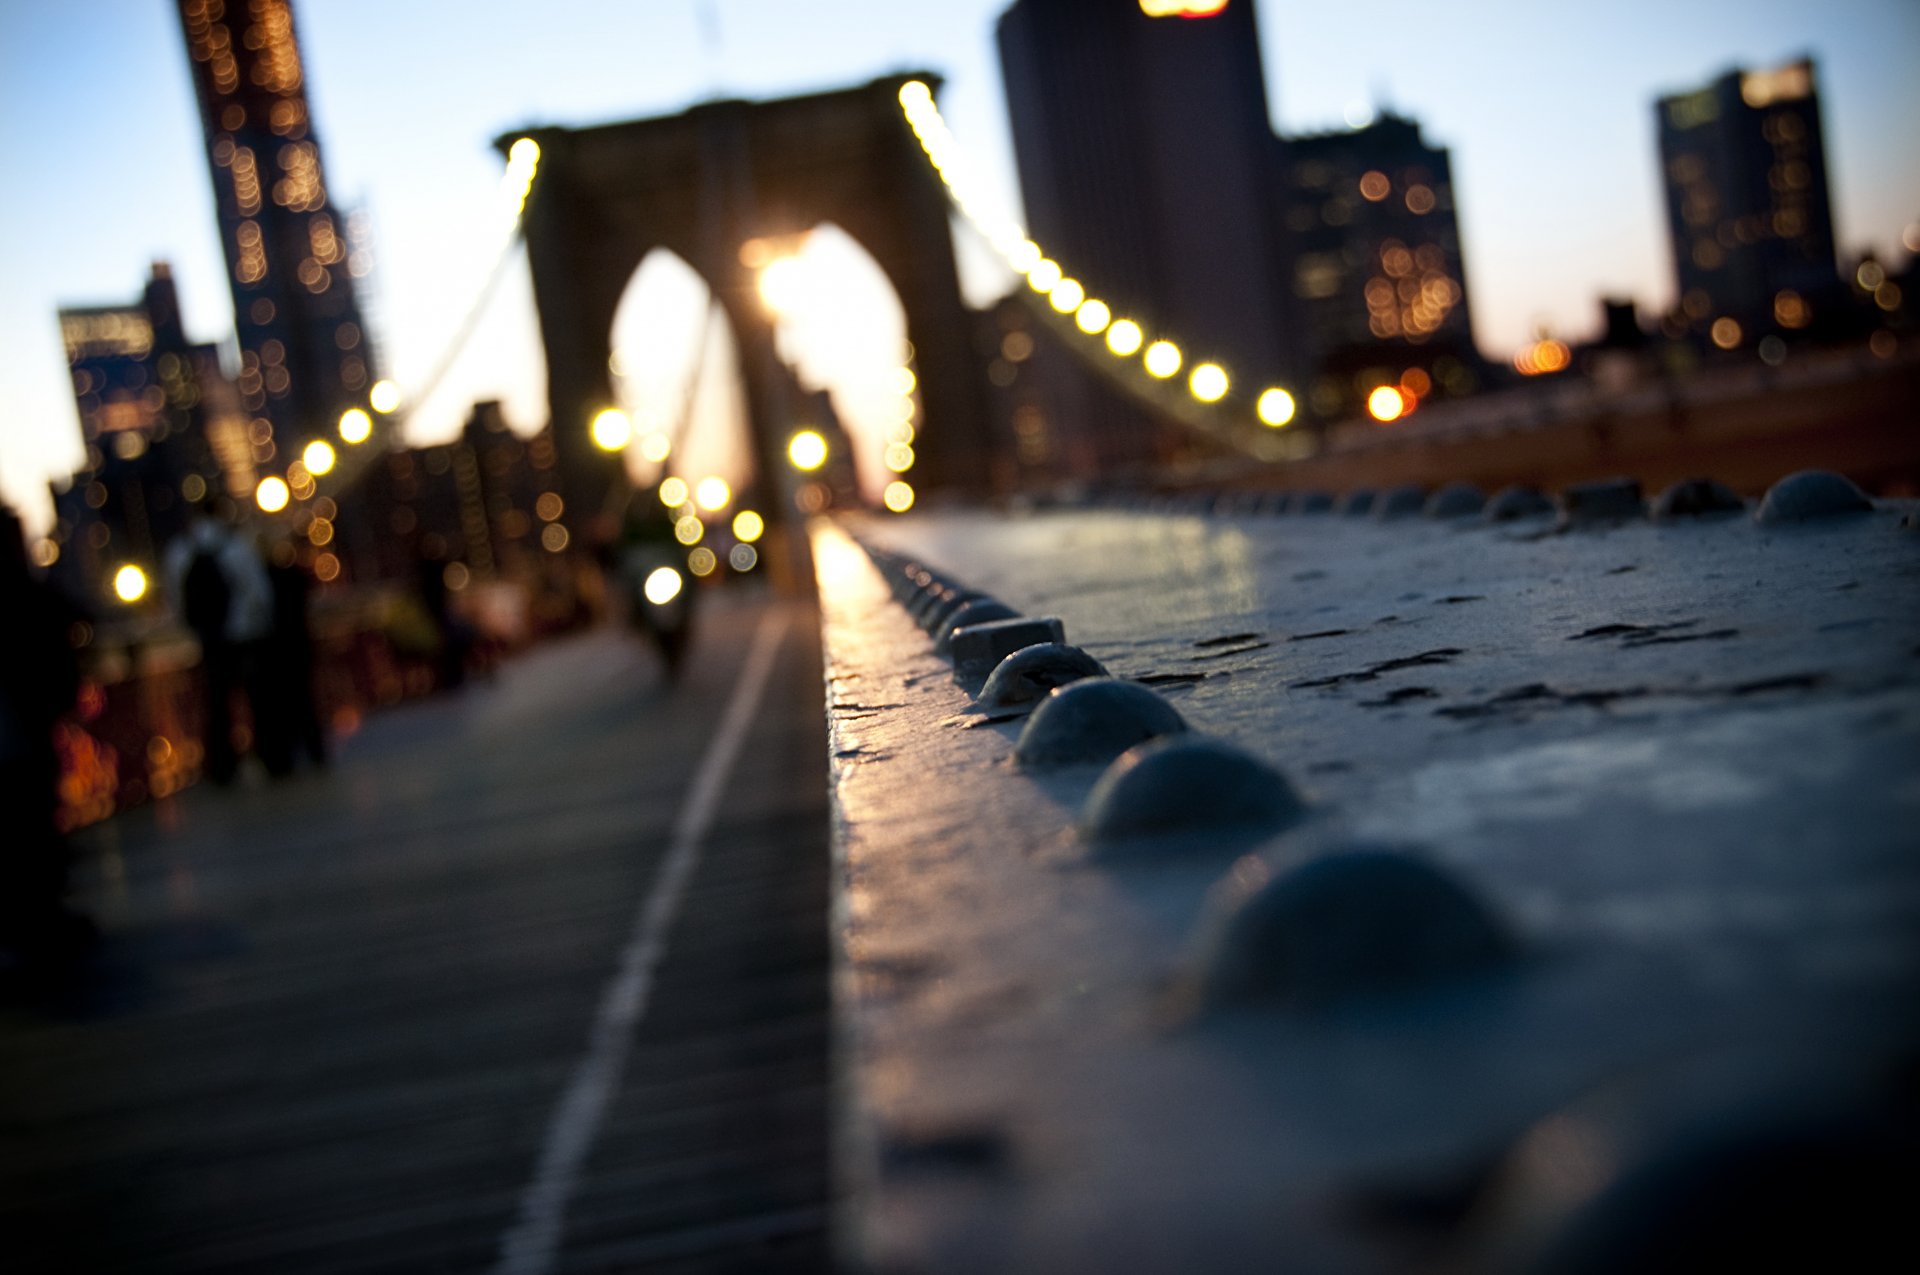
(662, 586)
(318, 456)
(1275, 407)
(1124, 337)
(748, 526)
(712, 494)
(1386, 404)
(673, 492)
(384, 396)
(1162, 359)
(355, 425)
(1208, 382)
(807, 450)
(898, 497)
(612, 430)
(1093, 316)
(655, 446)
(272, 494)
(702, 561)
(130, 583)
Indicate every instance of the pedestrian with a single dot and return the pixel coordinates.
(39, 681)
(289, 718)
(219, 588)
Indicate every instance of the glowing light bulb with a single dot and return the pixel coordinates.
(1386, 404)
(1124, 337)
(662, 586)
(1066, 296)
(1275, 407)
(1208, 382)
(130, 583)
(611, 430)
(1162, 359)
(807, 450)
(1092, 317)
(1043, 275)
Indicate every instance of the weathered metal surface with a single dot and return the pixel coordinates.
(1677, 762)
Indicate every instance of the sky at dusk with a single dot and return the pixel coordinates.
(1547, 109)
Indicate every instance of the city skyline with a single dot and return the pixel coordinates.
(121, 180)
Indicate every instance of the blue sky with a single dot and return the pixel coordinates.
(1547, 109)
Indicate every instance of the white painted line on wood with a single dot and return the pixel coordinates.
(533, 1242)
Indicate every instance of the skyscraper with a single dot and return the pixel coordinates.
(1146, 160)
(1751, 228)
(1379, 291)
(304, 352)
(162, 426)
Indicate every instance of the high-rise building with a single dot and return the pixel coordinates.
(1146, 159)
(304, 351)
(1379, 291)
(163, 428)
(1751, 227)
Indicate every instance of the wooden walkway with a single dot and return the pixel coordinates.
(332, 1021)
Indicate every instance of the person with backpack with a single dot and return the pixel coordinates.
(219, 588)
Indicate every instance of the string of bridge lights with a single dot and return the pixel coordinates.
(1160, 359)
(385, 399)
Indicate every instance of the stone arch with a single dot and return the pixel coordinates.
(701, 184)
(677, 367)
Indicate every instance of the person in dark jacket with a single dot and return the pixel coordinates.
(39, 681)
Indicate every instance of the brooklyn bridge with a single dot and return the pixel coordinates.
(1186, 792)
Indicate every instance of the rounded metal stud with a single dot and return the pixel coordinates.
(1363, 921)
(1515, 502)
(1696, 498)
(1032, 672)
(978, 648)
(1401, 502)
(1608, 500)
(1811, 494)
(1455, 500)
(1187, 783)
(975, 611)
(1092, 721)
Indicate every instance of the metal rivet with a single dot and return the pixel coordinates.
(1696, 498)
(1609, 500)
(1363, 921)
(1510, 503)
(976, 611)
(934, 618)
(1031, 672)
(1401, 501)
(1809, 494)
(1092, 721)
(1187, 783)
(1455, 500)
(1358, 503)
(977, 648)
